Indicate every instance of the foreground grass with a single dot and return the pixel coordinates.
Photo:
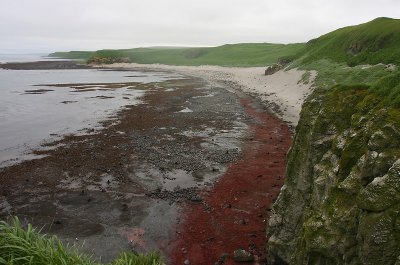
(20, 245)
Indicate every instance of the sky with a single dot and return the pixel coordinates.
(60, 25)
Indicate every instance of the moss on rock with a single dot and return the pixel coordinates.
(341, 197)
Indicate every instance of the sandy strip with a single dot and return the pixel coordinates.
(283, 89)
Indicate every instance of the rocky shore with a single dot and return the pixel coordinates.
(45, 65)
(121, 187)
(191, 171)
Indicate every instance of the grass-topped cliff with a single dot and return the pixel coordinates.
(340, 202)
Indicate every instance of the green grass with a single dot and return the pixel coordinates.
(331, 73)
(242, 55)
(378, 78)
(20, 246)
(389, 88)
(84, 55)
(373, 42)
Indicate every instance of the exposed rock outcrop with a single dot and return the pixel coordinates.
(108, 60)
(273, 69)
(341, 200)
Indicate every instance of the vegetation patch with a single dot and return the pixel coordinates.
(20, 245)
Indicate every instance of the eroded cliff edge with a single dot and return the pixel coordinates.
(341, 200)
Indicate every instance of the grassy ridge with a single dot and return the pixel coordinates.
(340, 58)
(84, 55)
(373, 42)
(20, 246)
(244, 55)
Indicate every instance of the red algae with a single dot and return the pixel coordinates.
(234, 212)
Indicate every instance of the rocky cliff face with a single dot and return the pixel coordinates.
(341, 200)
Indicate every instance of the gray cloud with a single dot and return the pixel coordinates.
(48, 25)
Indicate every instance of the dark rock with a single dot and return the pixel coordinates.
(241, 255)
(108, 60)
(273, 69)
(196, 198)
(223, 257)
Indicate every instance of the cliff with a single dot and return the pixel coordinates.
(341, 200)
(340, 203)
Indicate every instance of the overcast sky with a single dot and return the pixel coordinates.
(52, 25)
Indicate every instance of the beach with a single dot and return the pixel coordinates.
(284, 91)
(202, 153)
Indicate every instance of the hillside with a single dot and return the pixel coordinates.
(369, 43)
(84, 55)
(247, 54)
(340, 202)
(373, 42)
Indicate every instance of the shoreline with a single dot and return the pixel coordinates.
(88, 171)
(121, 187)
(283, 92)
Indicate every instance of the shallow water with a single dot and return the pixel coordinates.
(32, 57)
(31, 114)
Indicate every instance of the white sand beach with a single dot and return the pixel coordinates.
(284, 88)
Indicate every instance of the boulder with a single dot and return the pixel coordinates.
(241, 255)
(273, 69)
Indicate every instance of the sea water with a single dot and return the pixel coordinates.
(29, 119)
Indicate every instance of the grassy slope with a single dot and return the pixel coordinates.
(84, 55)
(373, 42)
(247, 54)
(20, 246)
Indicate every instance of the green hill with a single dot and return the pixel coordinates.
(84, 55)
(246, 54)
(369, 43)
(373, 42)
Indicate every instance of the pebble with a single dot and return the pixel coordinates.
(186, 262)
